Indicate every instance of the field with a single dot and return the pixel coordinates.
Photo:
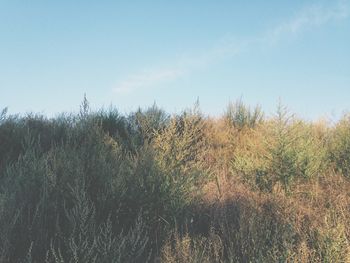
(100, 186)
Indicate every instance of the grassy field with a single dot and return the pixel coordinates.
(152, 187)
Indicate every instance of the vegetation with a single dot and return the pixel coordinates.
(153, 187)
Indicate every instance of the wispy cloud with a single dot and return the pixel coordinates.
(307, 18)
(180, 67)
(147, 79)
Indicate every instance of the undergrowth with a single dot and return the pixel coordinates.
(152, 187)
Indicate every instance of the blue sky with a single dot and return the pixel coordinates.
(134, 53)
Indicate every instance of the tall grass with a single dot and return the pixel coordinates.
(340, 146)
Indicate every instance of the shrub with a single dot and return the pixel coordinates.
(240, 116)
(14, 129)
(282, 151)
(117, 127)
(182, 144)
(60, 196)
(104, 187)
(149, 122)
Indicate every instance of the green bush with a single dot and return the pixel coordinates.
(181, 145)
(239, 115)
(149, 122)
(37, 192)
(284, 151)
(76, 181)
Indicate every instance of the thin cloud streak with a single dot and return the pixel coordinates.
(307, 18)
(147, 79)
(181, 67)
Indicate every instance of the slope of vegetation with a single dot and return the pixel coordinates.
(153, 187)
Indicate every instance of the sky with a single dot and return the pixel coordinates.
(134, 53)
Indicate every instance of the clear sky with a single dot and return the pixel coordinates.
(134, 53)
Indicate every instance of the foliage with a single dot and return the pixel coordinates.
(146, 187)
(240, 116)
(180, 147)
(340, 146)
(286, 151)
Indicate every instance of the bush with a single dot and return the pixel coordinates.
(104, 187)
(283, 151)
(38, 191)
(149, 122)
(61, 197)
(182, 144)
(240, 116)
